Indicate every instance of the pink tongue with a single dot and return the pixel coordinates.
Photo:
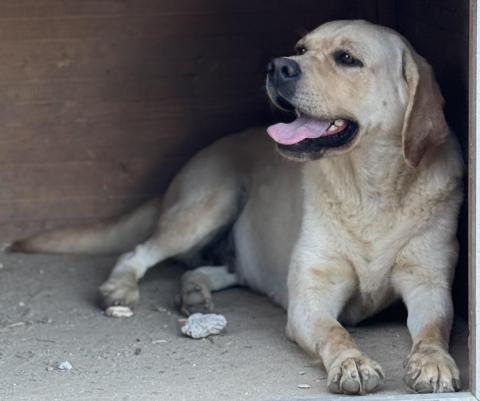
(303, 127)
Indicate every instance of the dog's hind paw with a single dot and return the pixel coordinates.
(195, 296)
(354, 374)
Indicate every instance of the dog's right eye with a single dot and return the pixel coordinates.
(344, 58)
(300, 50)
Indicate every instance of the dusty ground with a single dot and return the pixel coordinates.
(49, 315)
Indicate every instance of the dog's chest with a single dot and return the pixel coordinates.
(363, 224)
(368, 235)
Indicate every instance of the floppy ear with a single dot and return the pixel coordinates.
(424, 124)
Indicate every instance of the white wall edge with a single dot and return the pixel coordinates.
(463, 396)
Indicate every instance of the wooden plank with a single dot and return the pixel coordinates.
(89, 113)
(157, 26)
(73, 8)
(76, 179)
(50, 61)
(56, 211)
(474, 200)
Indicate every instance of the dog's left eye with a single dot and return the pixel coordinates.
(300, 50)
(344, 58)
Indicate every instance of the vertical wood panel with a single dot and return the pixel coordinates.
(474, 202)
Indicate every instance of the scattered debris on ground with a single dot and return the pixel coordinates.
(159, 341)
(119, 311)
(201, 325)
(65, 365)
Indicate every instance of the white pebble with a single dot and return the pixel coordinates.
(65, 365)
(159, 341)
(119, 311)
(199, 325)
(304, 386)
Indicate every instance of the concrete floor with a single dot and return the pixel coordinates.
(49, 315)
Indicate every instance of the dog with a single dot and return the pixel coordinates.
(352, 206)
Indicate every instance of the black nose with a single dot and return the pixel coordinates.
(282, 70)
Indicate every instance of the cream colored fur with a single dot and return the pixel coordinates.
(332, 240)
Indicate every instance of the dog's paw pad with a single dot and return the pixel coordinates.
(429, 369)
(355, 375)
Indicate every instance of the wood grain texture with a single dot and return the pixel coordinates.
(102, 101)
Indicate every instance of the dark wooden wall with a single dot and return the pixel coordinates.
(438, 29)
(101, 101)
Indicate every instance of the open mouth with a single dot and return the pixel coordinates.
(310, 134)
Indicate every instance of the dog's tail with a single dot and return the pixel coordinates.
(114, 236)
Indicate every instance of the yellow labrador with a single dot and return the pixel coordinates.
(367, 216)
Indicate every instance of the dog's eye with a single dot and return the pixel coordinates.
(300, 50)
(344, 58)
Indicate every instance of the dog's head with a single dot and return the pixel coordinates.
(351, 80)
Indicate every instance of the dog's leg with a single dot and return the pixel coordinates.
(317, 296)
(187, 223)
(197, 286)
(429, 366)
(423, 277)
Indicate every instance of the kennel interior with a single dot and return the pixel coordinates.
(101, 102)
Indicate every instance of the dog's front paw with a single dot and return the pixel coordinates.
(119, 291)
(354, 373)
(430, 369)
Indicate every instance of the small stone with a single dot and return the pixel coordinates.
(301, 372)
(201, 325)
(159, 341)
(304, 386)
(138, 351)
(64, 365)
(119, 311)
